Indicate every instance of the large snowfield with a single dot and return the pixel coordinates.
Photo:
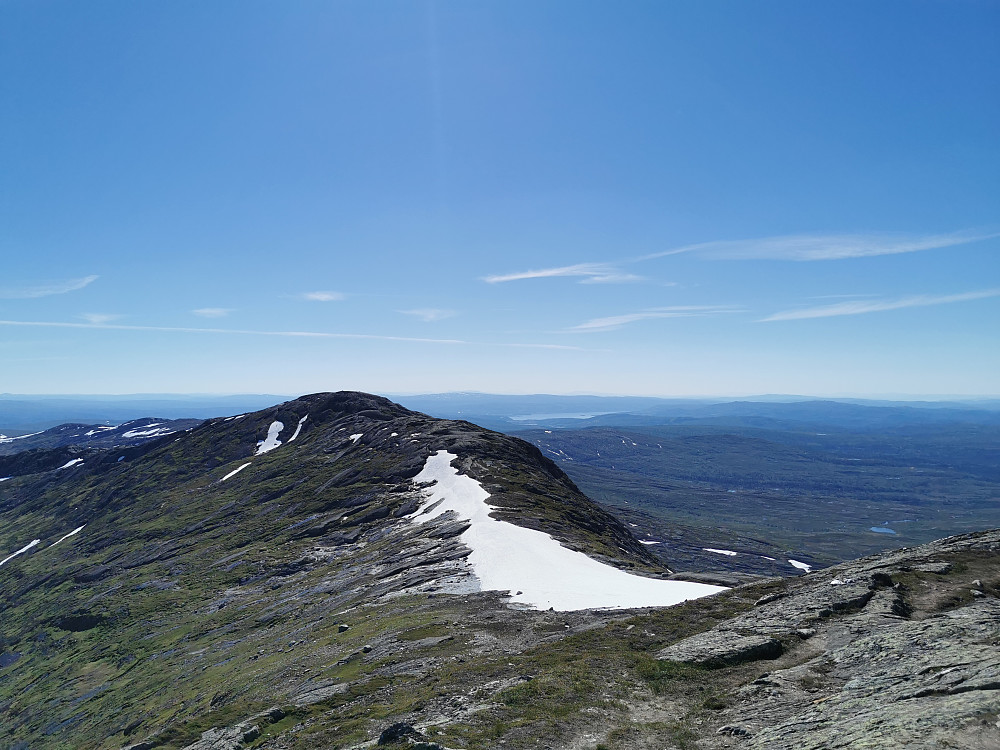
(531, 565)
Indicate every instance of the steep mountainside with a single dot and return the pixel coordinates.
(309, 576)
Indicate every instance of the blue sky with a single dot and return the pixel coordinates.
(668, 198)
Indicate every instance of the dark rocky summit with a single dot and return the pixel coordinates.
(217, 599)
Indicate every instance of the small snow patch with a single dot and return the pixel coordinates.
(769, 558)
(4, 479)
(271, 441)
(234, 472)
(643, 541)
(147, 432)
(72, 462)
(23, 549)
(298, 428)
(720, 551)
(67, 536)
(5, 439)
(357, 436)
(800, 565)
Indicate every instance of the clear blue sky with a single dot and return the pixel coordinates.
(515, 196)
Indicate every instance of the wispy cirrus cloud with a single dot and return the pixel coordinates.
(47, 289)
(614, 322)
(429, 314)
(816, 247)
(588, 273)
(322, 296)
(99, 318)
(212, 312)
(797, 247)
(281, 334)
(863, 306)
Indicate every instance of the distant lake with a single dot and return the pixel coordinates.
(881, 530)
(558, 415)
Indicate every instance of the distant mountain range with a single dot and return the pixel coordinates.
(782, 412)
(23, 414)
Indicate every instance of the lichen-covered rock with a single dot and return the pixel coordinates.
(915, 684)
(718, 647)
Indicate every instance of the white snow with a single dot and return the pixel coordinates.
(155, 432)
(4, 479)
(298, 428)
(271, 441)
(544, 574)
(720, 551)
(238, 416)
(643, 541)
(71, 462)
(800, 565)
(5, 439)
(357, 436)
(838, 582)
(94, 431)
(768, 558)
(234, 472)
(25, 548)
(67, 536)
(394, 434)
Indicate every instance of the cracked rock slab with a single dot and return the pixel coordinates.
(719, 647)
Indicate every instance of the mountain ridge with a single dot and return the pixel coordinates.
(247, 585)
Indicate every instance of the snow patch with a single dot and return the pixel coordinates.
(71, 462)
(5, 439)
(25, 548)
(234, 472)
(544, 574)
(720, 551)
(357, 436)
(769, 558)
(155, 432)
(271, 441)
(643, 541)
(4, 479)
(67, 536)
(298, 428)
(800, 565)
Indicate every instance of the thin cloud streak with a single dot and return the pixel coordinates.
(99, 318)
(591, 273)
(212, 312)
(676, 311)
(322, 296)
(861, 307)
(801, 247)
(47, 290)
(285, 334)
(429, 314)
(814, 247)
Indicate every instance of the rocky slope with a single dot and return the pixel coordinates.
(244, 585)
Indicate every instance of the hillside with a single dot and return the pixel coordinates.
(310, 576)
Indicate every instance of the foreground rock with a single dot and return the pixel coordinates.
(892, 651)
